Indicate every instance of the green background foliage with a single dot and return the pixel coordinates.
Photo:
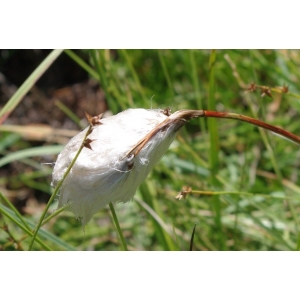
(252, 175)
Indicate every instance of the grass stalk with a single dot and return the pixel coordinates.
(12, 207)
(214, 149)
(24, 228)
(82, 63)
(192, 238)
(240, 193)
(98, 61)
(57, 189)
(116, 222)
(27, 85)
(69, 113)
(134, 74)
(166, 73)
(197, 89)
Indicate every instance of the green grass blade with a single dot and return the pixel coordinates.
(116, 222)
(149, 196)
(197, 89)
(134, 74)
(6, 212)
(44, 234)
(12, 207)
(104, 79)
(27, 85)
(214, 149)
(69, 113)
(57, 189)
(36, 151)
(82, 63)
(9, 140)
(166, 73)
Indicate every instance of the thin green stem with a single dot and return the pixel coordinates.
(197, 88)
(116, 222)
(149, 194)
(57, 189)
(274, 161)
(82, 63)
(133, 72)
(226, 115)
(192, 238)
(166, 73)
(24, 228)
(27, 85)
(12, 207)
(57, 212)
(212, 193)
(214, 149)
(69, 113)
(103, 77)
(212, 124)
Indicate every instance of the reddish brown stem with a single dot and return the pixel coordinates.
(179, 118)
(227, 115)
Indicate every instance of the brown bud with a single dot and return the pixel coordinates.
(183, 193)
(167, 111)
(251, 87)
(285, 89)
(94, 120)
(87, 143)
(266, 91)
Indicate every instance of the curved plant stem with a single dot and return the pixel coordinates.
(275, 129)
(12, 207)
(24, 228)
(114, 216)
(57, 189)
(29, 233)
(57, 212)
(192, 238)
(82, 63)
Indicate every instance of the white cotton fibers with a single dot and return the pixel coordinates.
(125, 148)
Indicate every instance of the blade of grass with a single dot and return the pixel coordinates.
(274, 235)
(57, 189)
(69, 113)
(42, 233)
(214, 149)
(134, 74)
(98, 60)
(9, 140)
(192, 238)
(197, 89)
(166, 73)
(212, 123)
(57, 212)
(36, 151)
(27, 85)
(212, 193)
(82, 63)
(114, 86)
(262, 133)
(116, 222)
(149, 196)
(12, 207)
(11, 217)
(275, 165)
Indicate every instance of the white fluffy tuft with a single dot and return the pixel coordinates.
(106, 174)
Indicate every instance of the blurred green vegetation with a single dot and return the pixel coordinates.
(256, 173)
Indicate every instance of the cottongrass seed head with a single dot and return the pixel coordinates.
(123, 149)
